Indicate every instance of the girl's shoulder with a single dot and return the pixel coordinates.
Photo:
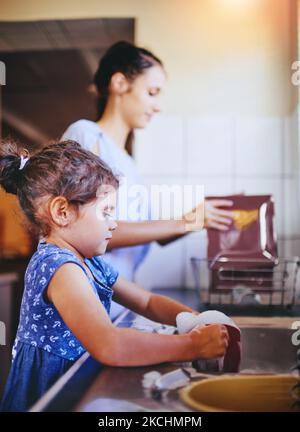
(47, 259)
(51, 252)
(102, 270)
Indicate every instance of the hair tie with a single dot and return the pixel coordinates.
(24, 160)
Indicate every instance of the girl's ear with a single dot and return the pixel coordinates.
(119, 84)
(60, 211)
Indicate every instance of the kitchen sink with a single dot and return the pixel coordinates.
(267, 354)
(265, 382)
(265, 351)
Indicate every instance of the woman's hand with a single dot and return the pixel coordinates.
(208, 215)
(210, 341)
(217, 218)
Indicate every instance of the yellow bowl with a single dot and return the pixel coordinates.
(266, 393)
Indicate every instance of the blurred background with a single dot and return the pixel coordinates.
(230, 118)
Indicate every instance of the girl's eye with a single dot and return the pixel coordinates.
(153, 92)
(107, 215)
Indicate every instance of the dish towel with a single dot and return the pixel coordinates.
(230, 362)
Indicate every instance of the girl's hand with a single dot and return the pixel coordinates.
(209, 341)
(217, 218)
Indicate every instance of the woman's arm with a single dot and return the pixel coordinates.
(84, 314)
(136, 233)
(155, 307)
(164, 231)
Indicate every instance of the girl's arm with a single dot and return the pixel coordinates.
(152, 306)
(165, 231)
(84, 314)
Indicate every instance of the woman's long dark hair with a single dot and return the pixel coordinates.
(128, 59)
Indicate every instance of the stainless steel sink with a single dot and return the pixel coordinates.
(267, 349)
(264, 350)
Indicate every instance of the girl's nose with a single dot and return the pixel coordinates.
(157, 108)
(157, 104)
(112, 225)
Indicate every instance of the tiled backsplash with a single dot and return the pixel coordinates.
(227, 155)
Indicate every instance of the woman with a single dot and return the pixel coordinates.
(130, 81)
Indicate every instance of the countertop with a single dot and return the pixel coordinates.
(88, 385)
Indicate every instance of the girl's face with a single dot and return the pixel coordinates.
(92, 229)
(143, 99)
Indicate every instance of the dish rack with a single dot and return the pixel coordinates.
(275, 285)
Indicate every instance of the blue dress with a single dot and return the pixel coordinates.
(45, 348)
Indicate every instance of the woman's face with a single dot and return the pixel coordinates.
(143, 98)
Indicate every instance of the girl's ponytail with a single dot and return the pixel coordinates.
(12, 163)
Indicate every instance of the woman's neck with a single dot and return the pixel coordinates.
(113, 124)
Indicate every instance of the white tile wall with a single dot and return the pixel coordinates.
(227, 155)
(290, 150)
(174, 183)
(292, 247)
(210, 146)
(159, 148)
(195, 245)
(156, 270)
(291, 207)
(163, 267)
(259, 146)
(281, 245)
(213, 185)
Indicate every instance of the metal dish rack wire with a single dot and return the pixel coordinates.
(277, 284)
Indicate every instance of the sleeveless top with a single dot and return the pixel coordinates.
(40, 323)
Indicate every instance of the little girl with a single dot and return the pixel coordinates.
(68, 195)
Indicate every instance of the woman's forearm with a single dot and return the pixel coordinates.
(163, 309)
(136, 233)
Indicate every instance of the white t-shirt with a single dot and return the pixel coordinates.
(132, 201)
